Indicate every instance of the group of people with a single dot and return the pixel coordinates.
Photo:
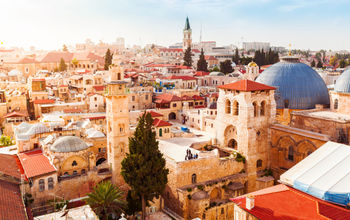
(190, 156)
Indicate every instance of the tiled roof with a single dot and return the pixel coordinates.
(283, 202)
(44, 101)
(9, 166)
(160, 123)
(246, 85)
(197, 97)
(201, 73)
(182, 77)
(14, 114)
(155, 114)
(186, 98)
(11, 204)
(99, 88)
(96, 117)
(55, 57)
(166, 98)
(35, 163)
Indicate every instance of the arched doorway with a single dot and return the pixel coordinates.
(232, 144)
(215, 194)
(100, 161)
(172, 116)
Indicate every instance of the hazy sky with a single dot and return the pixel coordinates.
(48, 24)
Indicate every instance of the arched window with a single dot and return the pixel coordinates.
(194, 178)
(262, 108)
(336, 104)
(74, 163)
(50, 183)
(258, 163)
(255, 109)
(41, 185)
(119, 76)
(228, 107)
(83, 171)
(235, 108)
(75, 172)
(160, 132)
(291, 153)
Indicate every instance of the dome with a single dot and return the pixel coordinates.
(298, 85)
(68, 144)
(343, 82)
(252, 64)
(216, 74)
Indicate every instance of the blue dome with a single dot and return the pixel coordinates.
(298, 85)
(343, 82)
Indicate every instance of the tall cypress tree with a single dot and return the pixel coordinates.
(188, 57)
(108, 59)
(202, 64)
(236, 57)
(144, 167)
(63, 66)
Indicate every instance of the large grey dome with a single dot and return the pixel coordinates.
(343, 82)
(298, 85)
(68, 144)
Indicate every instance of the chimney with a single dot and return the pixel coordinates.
(249, 202)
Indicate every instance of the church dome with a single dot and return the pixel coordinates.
(343, 82)
(68, 144)
(216, 74)
(298, 85)
(252, 64)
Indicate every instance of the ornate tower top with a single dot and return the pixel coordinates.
(187, 25)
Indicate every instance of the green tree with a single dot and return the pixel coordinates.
(106, 199)
(226, 66)
(236, 57)
(63, 66)
(5, 140)
(134, 203)
(319, 64)
(75, 63)
(333, 60)
(144, 167)
(188, 57)
(313, 63)
(215, 69)
(64, 48)
(342, 63)
(108, 59)
(202, 64)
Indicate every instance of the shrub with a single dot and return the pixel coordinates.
(189, 189)
(200, 187)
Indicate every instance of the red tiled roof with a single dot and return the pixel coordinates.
(201, 73)
(63, 85)
(197, 97)
(183, 67)
(207, 57)
(55, 57)
(170, 49)
(182, 77)
(73, 110)
(166, 98)
(14, 114)
(44, 101)
(186, 98)
(155, 114)
(38, 80)
(99, 88)
(9, 166)
(160, 123)
(283, 202)
(11, 204)
(35, 163)
(246, 85)
(27, 60)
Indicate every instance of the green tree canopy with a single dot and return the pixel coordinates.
(236, 57)
(188, 57)
(144, 167)
(106, 199)
(319, 64)
(226, 66)
(342, 63)
(108, 59)
(63, 66)
(202, 64)
(313, 63)
(5, 140)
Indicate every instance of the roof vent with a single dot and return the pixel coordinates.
(249, 203)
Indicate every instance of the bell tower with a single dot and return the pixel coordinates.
(187, 40)
(117, 116)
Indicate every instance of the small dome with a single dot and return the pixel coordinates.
(298, 85)
(216, 74)
(14, 73)
(252, 64)
(68, 144)
(343, 82)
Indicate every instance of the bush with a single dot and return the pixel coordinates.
(189, 196)
(268, 172)
(189, 189)
(200, 187)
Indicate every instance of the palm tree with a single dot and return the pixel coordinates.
(106, 199)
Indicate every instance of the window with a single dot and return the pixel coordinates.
(262, 108)
(174, 105)
(74, 163)
(41, 185)
(222, 210)
(291, 153)
(119, 76)
(133, 98)
(95, 99)
(146, 97)
(259, 163)
(235, 108)
(336, 104)
(160, 132)
(99, 149)
(75, 172)
(83, 171)
(50, 183)
(194, 178)
(228, 107)
(255, 109)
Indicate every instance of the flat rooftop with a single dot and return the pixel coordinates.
(324, 114)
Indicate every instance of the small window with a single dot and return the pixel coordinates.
(50, 183)
(194, 178)
(336, 104)
(174, 105)
(291, 153)
(83, 171)
(75, 172)
(74, 163)
(41, 185)
(259, 163)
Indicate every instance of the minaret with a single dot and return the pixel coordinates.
(117, 116)
(187, 41)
